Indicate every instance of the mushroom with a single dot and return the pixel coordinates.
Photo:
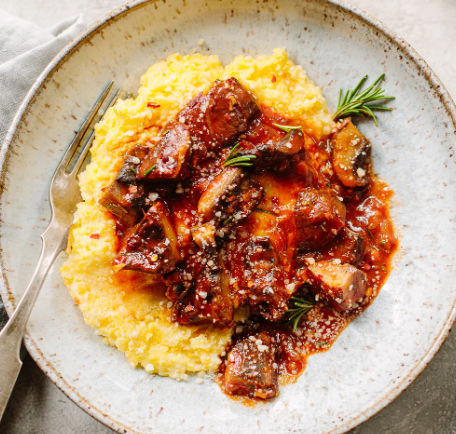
(152, 245)
(339, 285)
(319, 216)
(351, 153)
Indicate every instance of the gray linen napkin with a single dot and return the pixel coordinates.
(25, 50)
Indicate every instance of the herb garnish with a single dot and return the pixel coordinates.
(150, 170)
(355, 103)
(370, 233)
(299, 309)
(224, 223)
(111, 206)
(288, 128)
(320, 344)
(232, 160)
(133, 170)
(264, 210)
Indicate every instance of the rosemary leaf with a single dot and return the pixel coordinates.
(299, 309)
(243, 159)
(150, 170)
(357, 102)
(288, 128)
(264, 210)
(112, 206)
(232, 160)
(224, 223)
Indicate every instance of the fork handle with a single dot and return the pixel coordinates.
(54, 241)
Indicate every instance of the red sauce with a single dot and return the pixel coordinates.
(367, 215)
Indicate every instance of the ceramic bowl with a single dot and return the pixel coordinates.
(381, 352)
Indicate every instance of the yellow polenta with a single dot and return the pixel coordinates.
(129, 308)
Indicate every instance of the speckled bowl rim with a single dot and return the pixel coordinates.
(66, 52)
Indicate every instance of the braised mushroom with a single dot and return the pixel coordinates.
(251, 367)
(319, 216)
(348, 246)
(277, 154)
(125, 197)
(216, 118)
(351, 153)
(261, 267)
(169, 158)
(206, 298)
(152, 246)
(340, 285)
(229, 198)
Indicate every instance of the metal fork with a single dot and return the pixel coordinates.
(64, 195)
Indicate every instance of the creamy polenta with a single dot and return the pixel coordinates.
(129, 308)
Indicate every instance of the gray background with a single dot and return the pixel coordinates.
(429, 404)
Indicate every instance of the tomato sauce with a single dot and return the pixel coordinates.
(367, 215)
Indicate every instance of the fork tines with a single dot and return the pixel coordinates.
(74, 168)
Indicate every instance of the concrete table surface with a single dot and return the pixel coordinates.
(428, 406)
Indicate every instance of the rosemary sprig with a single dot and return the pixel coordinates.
(299, 309)
(243, 160)
(356, 102)
(150, 170)
(287, 128)
(266, 211)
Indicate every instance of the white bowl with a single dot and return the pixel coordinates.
(381, 352)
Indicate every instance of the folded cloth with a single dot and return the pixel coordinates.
(25, 50)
